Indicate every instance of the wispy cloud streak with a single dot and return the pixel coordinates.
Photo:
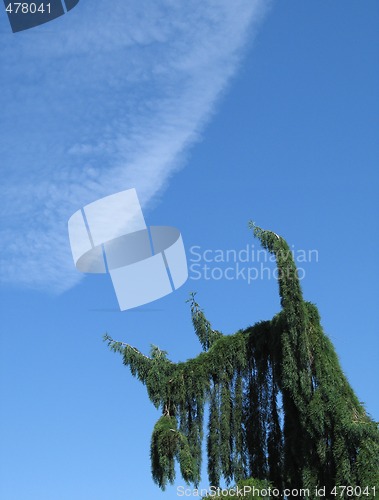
(105, 98)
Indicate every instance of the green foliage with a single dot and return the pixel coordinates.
(280, 407)
(164, 447)
(168, 444)
(203, 329)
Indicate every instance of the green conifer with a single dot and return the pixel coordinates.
(280, 407)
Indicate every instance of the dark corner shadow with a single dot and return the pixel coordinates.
(25, 15)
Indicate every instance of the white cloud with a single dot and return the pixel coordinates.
(103, 99)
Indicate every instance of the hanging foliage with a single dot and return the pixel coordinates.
(280, 407)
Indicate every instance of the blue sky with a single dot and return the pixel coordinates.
(217, 112)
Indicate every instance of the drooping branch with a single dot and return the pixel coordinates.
(117, 346)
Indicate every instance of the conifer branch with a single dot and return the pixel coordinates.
(118, 346)
(258, 230)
